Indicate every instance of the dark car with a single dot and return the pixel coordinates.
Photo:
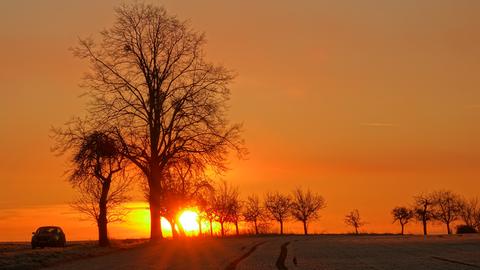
(49, 236)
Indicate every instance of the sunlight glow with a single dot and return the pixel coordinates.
(166, 227)
(137, 222)
(189, 222)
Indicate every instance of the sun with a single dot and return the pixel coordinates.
(189, 221)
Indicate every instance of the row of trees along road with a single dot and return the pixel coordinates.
(152, 92)
(442, 206)
(225, 206)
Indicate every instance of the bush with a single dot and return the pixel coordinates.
(465, 229)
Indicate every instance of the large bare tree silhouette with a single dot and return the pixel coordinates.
(150, 80)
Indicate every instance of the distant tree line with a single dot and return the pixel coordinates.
(442, 206)
(225, 206)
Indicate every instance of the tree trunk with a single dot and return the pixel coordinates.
(449, 231)
(236, 228)
(211, 227)
(281, 226)
(199, 226)
(356, 230)
(155, 224)
(223, 230)
(102, 216)
(174, 231)
(155, 190)
(403, 225)
(256, 227)
(305, 227)
(179, 226)
(424, 221)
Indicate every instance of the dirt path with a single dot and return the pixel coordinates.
(297, 252)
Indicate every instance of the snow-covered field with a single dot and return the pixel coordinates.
(266, 252)
(21, 256)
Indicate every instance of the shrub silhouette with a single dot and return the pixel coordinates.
(461, 229)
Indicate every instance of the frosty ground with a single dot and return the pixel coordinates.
(266, 252)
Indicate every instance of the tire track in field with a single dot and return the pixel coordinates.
(283, 255)
(233, 265)
(454, 261)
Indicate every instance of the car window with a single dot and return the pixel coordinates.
(47, 230)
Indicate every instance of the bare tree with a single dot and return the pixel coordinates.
(183, 187)
(353, 219)
(97, 173)
(447, 207)
(150, 80)
(253, 211)
(210, 215)
(236, 212)
(423, 209)
(306, 206)
(469, 212)
(403, 215)
(224, 203)
(202, 204)
(278, 206)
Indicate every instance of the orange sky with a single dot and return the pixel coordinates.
(365, 102)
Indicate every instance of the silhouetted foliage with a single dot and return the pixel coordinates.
(150, 81)
(403, 215)
(447, 206)
(253, 211)
(423, 210)
(98, 173)
(353, 219)
(305, 206)
(278, 207)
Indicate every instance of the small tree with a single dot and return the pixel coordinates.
(423, 209)
(306, 206)
(236, 212)
(253, 211)
(224, 203)
(470, 212)
(278, 206)
(353, 219)
(96, 163)
(184, 187)
(403, 215)
(211, 217)
(447, 207)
